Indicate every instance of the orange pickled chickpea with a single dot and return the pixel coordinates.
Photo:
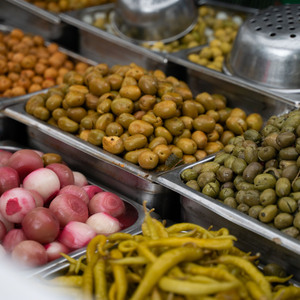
(28, 65)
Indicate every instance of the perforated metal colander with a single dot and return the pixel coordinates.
(266, 50)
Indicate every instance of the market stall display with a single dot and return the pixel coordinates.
(145, 124)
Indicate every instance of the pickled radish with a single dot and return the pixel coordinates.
(13, 238)
(54, 250)
(9, 179)
(29, 254)
(44, 181)
(39, 201)
(76, 235)
(15, 204)
(25, 161)
(107, 202)
(63, 172)
(4, 156)
(76, 191)
(41, 225)
(92, 190)
(47, 210)
(103, 223)
(79, 179)
(67, 208)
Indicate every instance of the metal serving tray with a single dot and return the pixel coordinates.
(133, 209)
(22, 14)
(98, 44)
(252, 235)
(100, 166)
(5, 101)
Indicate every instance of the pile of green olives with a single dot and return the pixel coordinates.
(142, 116)
(257, 173)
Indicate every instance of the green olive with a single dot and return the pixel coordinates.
(76, 113)
(266, 153)
(264, 181)
(210, 166)
(204, 123)
(147, 102)
(148, 160)
(288, 153)
(187, 145)
(290, 172)
(285, 139)
(114, 129)
(267, 197)
(225, 193)
(193, 184)
(229, 161)
(211, 189)
(283, 187)
(253, 135)
(189, 109)
(291, 231)
(41, 113)
(268, 213)
(132, 92)
(95, 137)
(59, 112)
(163, 132)
(269, 129)
(238, 166)
(254, 211)
(236, 124)
(125, 119)
(104, 106)
(188, 174)
(136, 141)
(174, 125)
(244, 186)
(296, 185)
(224, 174)
(74, 98)
(88, 121)
(113, 144)
(98, 86)
(206, 100)
(243, 207)
(206, 177)
(283, 220)
(140, 126)
(121, 105)
(68, 125)
(296, 221)
(165, 109)
(287, 204)
(230, 201)
(50, 158)
(221, 157)
(249, 197)
(54, 102)
(103, 121)
(132, 156)
(115, 81)
(33, 102)
(157, 141)
(148, 84)
(251, 171)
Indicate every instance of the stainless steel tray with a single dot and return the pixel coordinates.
(100, 45)
(100, 166)
(252, 235)
(22, 14)
(4, 101)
